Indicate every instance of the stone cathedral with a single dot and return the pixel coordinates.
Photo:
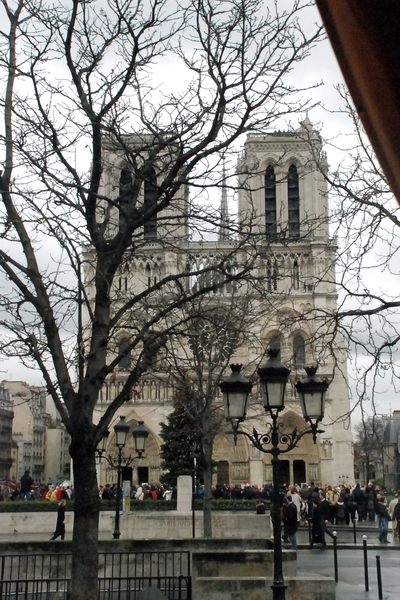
(282, 202)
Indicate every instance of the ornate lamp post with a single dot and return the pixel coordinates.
(273, 378)
(121, 429)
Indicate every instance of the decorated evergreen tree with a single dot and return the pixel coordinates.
(180, 447)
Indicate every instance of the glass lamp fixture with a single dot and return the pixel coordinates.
(312, 392)
(273, 379)
(121, 432)
(235, 391)
(140, 435)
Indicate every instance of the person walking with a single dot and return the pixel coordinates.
(348, 500)
(290, 520)
(26, 482)
(325, 514)
(60, 524)
(298, 502)
(383, 518)
(317, 528)
(370, 502)
(359, 499)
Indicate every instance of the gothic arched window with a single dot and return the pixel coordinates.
(125, 197)
(293, 202)
(125, 352)
(272, 276)
(270, 202)
(295, 276)
(150, 200)
(299, 350)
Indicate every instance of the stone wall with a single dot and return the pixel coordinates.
(148, 525)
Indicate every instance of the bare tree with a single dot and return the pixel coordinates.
(368, 446)
(366, 224)
(83, 80)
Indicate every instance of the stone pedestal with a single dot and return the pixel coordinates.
(184, 502)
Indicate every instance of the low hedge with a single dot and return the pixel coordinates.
(136, 505)
(32, 506)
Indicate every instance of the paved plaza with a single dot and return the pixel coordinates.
(351, 573)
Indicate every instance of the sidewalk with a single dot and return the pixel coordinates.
(345, 537)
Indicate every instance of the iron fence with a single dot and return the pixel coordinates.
(122, 576)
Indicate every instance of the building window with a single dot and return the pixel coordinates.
(293, 202)
(299, 350)
(270, 202)
(295, 276)
(125, 352)
(150, 201)
(125, 198)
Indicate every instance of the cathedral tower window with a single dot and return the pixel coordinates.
(293, 202)
(125, 197)
(150, 201)
(295, 276)
(270, 202)
(272, 276)
(299, 350)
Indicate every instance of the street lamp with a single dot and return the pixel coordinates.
(273, 379)
(121, 429)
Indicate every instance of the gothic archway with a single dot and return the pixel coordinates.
(149, 463)
(237, 457)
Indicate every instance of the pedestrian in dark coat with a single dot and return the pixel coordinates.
(60, 525)
(290, 520)
(359, 499)
(317, 528)
(26, 485)
(325, 514)
(348, 500)
(383, 518)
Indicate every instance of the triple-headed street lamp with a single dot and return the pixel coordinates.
(121, 429)
(273, 379)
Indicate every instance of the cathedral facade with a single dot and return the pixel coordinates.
(283, 212)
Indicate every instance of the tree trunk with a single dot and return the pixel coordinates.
(84, 571)
(208, 473)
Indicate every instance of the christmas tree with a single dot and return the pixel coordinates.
(181, 446)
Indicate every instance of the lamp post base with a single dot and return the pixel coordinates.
(116, 535)
(278, 591)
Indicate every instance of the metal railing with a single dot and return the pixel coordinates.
(121, 575)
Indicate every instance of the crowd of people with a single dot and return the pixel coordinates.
(321, 507)
(140, 492)
(28, 489)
